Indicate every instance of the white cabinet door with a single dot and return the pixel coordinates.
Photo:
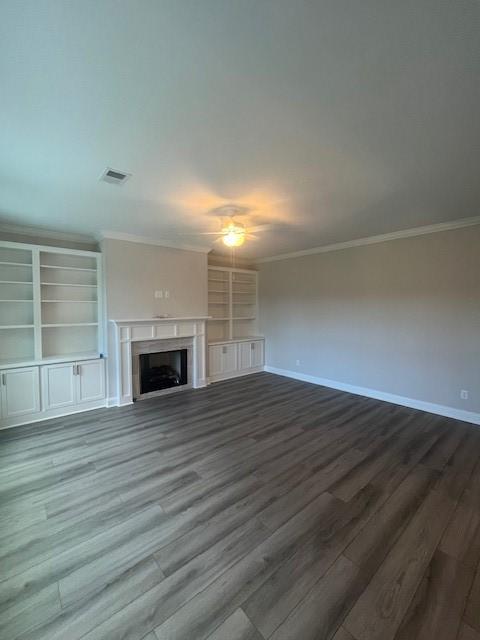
(251, 354)
(20, 392)
(229, 358)
(90, 380)
(245, 354)
(59, 385)
(256, 353)
(215, 360)
(222, 359)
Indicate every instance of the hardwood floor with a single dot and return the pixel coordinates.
(259, 508)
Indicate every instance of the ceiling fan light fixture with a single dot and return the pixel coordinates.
(233, 236)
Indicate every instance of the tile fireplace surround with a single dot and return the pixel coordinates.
(156, 346)
(153, 330)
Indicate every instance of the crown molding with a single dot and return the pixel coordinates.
(168, 244)
(47, 233)
(384, 237)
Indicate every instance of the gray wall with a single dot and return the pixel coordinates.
(401, 317)
(134, 271)
(31, 238)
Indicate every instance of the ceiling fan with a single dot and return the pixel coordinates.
(234, 232)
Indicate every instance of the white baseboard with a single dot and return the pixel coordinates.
(50, 414)
(430, 407)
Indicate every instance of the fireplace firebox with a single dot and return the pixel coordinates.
(163, 370)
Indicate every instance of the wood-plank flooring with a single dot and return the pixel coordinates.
(260, 508)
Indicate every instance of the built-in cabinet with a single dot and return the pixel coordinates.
(235, 358)
(234, 348)
(28, 394)
(51, 332)
(72, 383)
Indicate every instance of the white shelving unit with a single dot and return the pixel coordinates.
(50, 303)
(51, 332)
(232, 303)
(233, 347)
(17, 330)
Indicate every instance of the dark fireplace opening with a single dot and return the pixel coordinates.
(163, 370)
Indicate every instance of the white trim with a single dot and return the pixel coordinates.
(128, 321)
(231, 269)
(30, 246)
(430, 407)
(51, 414)
(112, 401)
(169, 244)
(384, 237)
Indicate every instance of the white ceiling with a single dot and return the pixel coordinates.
(339, 119)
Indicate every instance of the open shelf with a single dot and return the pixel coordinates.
(67, 284)
(50, 302)
(13, 255)
(16, 282)
(71, 324)
(63, 268)
(16, 326)
(240, 311)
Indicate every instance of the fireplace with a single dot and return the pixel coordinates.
(163, 370)
(161, 366)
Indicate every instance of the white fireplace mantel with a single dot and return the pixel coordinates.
(126, 331)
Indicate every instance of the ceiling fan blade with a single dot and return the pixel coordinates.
(262, 227)
(249, 236)
(203, 233)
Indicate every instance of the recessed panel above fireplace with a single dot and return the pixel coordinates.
(163, 370)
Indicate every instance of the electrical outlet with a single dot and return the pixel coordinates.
(297, 362)
(159, 294)
(464, 394)
(167, 293)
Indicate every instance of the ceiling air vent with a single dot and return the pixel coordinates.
(114, 176)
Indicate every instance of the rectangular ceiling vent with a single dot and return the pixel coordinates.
(114, 176)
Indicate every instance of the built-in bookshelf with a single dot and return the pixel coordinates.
(232, 303)
(50, 303)
(17, 335)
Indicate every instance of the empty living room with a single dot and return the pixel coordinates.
(239, 320)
